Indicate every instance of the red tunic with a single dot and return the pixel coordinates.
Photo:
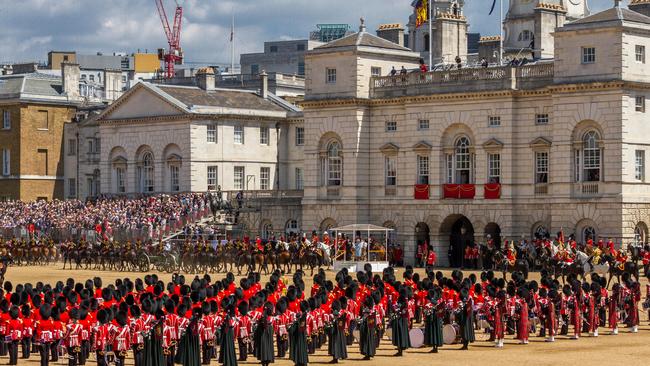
(15, 329)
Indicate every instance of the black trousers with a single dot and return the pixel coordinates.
(54, 350)
(282, 346)
(243, 349)
(207, 352)
(45, 354)
(3, 346)
(138, 356)
(170, 357)
(101, 358)
(13, 352)
(85, 352)
(73, 356)
(26, 344)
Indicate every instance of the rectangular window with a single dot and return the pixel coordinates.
(300, 136)
(42, 161)
(494, 121)
(494, 168)
(450, 169)
(41, 120)
(6, 162)
(639, 51)
(212, 133)
(330, 76)
(212, 178)
(265, 178)
(391, 171)
(423, 124)
(576, 164)
(92, 77)
(174, 181)
(541, 119)
(239, 134)
(255, 69)
(274, 48)
(72, 147)
(639, 103)
(264, 135)
(72, 187)
(239, 178)
(300, 47)
(391, 126)
(541, 167)
(119, 177)
(299, 181)
(639, 165)
(6, 120)
(588, 55)
(301, 68)
(375, 71)
(91, 146)
(423, 169)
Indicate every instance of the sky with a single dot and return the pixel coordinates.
(29, 29)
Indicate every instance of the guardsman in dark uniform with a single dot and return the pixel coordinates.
(263, 336)
(368, 330)
(400, 322)
(466, 319)
(299, 330)
(433, 320)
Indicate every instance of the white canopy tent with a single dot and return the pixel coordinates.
(361, 228)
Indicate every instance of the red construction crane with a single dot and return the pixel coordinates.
(174, 56)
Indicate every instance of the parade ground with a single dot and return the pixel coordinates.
(625, 348)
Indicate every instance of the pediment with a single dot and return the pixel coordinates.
(389, 148)
(541, 142)
(141, 102)
(422, 146)
(492, 144)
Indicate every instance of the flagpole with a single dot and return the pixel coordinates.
(501, 32)
(232, 45)
(430, 35)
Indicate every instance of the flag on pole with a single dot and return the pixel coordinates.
(494, 3)
(421, 12)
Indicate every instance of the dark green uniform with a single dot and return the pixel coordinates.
(400, 327)
(432, 328)
(263, 341)
(337, 345)
(227, 354)
(298, 341)
(188, 353)
(466, 321)
(153, 351)
(368, 334)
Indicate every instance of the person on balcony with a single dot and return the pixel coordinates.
(423, 66)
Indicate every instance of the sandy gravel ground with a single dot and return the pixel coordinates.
(625, 348)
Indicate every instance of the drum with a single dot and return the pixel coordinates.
(357, 335)
(416, 336)
(450, 333)
(482, 322)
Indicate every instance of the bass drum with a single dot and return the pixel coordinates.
(482, 322)
(416, 336)
(357, 335)
(451, 333)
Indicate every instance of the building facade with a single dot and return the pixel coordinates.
(285, 57)
(450, 157)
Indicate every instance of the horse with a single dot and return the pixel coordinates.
(502, 264)
(616, 271)
(589, 267)
(326, 253)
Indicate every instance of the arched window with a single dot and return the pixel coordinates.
(292, 227)
(334, 164)
(591, 157)
(640, 233)
(463, 158)
(267, 230)
(541, 232)
(146, 171)
(588, 232)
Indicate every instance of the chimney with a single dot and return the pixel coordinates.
(25, 68)
(205, 78)
(70, 75)
(640, 6)
(112, 84)
(264, 87)
(392, 32)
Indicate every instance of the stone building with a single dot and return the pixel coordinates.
(34, 107)
(449, 157)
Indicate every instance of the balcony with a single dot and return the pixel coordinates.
(586, 189)
(492, 191)
(541, 189)
(459, 191)
(465, 80)
(421, 191)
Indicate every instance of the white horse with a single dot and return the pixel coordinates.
(326, 252)
(584, 259)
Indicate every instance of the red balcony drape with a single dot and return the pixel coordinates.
(492, 191)
(421, 192)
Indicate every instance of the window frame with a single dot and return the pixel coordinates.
(265, 135)
(239, 172)
(494, 168)
(639, 165)
(588, 55)
(391, 126)
(6, 162)
(300, 136)
(542, 119)
(239, 137)
(330, 75)
(211, 133)
(174, 178)
(423, 166)
(542, 167)
(299, 180)
(120, 175)
(212, 176)
(334, 164)
(390, 171)
(375, 71)
(72, 187)
(72, 147)
(265, 178)
(591, 156)
(639, 53)
(494, 121)
(6, 120)
(423, 124)
(639, 103)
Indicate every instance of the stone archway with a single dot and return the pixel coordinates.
(494, 231)
(460, 232)
(422, 235)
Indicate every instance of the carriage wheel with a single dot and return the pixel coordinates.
(143, 263)
(170, 264)
(160, 264)
(187, 266)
